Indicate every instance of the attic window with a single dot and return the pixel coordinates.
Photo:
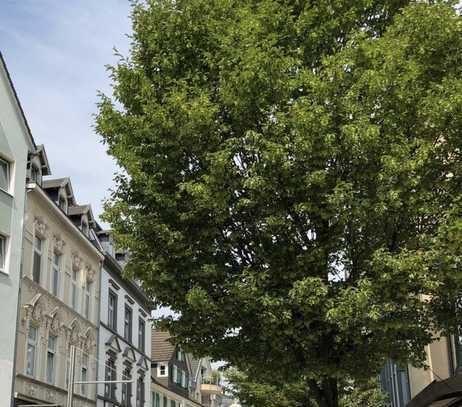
(162, 370)
(63, 203)
(35, 174)
(85, 227)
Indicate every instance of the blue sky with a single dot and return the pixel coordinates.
(56, 52)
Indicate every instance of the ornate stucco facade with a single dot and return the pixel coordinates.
(59, 297)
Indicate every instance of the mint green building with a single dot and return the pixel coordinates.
(16, 143)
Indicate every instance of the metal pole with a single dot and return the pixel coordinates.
(70, 385)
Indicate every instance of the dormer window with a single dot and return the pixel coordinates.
(85, 227)
(62, 203)
(35, 174)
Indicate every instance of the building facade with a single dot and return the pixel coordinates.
(172, 374)
(59, 294)
(125, 335)
(438, 385)
(16, 143)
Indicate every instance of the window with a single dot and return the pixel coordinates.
(126, 387)
(172, 403)
(141, 334)
(55, 276)
(120, 257)
(112, 313)
(156, 400)
(37, 266)
(178, 376)
(165, 403)
(74, 294)
(51, 362)
(35, 174)
(84, 374)
(162, 370)
(85, 227)
(128, 324)
(140, 392)
(4, 175)
(179, 355)
(31, 348)
(183, 379)
(110, 375)
(62, 203)
(2, 252)
(87, 300)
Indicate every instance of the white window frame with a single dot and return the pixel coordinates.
(183, 379)
(87, 305)
(74, 290)
(31, 344)
(3, 247)
(84, 375)
(55, 273)
(39, 252)
(51, 351)
(8, 175)
(159, 370)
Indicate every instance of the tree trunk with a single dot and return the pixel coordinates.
(325, 392)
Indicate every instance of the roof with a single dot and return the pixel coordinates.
(112, 265)
(54, 183)
(439, 393)
(41, 152)
(78, 209)
(30, 138)
(161, 348)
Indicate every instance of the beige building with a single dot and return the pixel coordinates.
(59, 293)
(438, 385)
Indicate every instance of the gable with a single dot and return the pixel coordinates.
(143, 363)
(129, 354)
(114, 344)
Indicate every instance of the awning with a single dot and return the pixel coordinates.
(444, 393)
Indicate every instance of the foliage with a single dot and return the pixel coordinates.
(291, 180)
(254, 394)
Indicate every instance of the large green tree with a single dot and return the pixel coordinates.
(291, 179)
(253, 394)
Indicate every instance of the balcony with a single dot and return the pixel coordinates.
(211, 387)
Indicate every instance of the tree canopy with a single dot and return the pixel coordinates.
(290, 179)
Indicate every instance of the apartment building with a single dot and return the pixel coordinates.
(59, 293)
(171, 372)
(438, 385)
(16, 142)
(125, 334)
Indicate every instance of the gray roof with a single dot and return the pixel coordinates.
(54, 183)
(161, 348)
(78, 209)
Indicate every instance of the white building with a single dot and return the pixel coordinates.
(124, 335)
(15, 144)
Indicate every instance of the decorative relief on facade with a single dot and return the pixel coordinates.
(76, 262)
(54, 321)
(90, 273)
(41, 227)
(59, 244)
(34, 310)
